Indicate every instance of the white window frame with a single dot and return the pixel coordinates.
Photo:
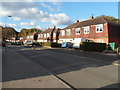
(48, 35)
(68, 31)
(31, 36)
(45, 35)
(76, 31)
(62, 32)
(54, 34)
(99, 27)
(41, 35)
(87, 30)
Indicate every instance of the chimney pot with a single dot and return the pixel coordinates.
(91, 17)
(77, 21)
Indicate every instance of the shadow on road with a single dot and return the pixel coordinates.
(23, 64)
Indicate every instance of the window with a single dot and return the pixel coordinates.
(86, 30)
(41, 35)
(63, 32)
(77, 30)
(68, 32)
(99, 28)
(48, 35)
(27, 36)
(100, 40)
(54, 34)
(31, 36)
(44, 35)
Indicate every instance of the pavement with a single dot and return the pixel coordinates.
(38, 67)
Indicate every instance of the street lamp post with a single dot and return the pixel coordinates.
(5, 27)
(6, 20)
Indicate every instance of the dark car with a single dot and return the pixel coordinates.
(2, 43)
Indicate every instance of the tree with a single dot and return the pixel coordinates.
(24, 32)
(7, 33)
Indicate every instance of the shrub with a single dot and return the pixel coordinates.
(51, 44)
(54, 44)
(92, 46)
(46, 43)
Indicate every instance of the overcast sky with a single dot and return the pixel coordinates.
(29, 14)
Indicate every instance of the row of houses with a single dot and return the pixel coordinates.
(99, 29)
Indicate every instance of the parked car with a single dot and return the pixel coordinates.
(19, 43)
(67, 45)
(2, 43)
(28, 42)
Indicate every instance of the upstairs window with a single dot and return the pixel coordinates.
(44, 35)
(31, 36)
(87, 30)
(54, 34)
(99, 28)
(41, 35)
(48, 35)
(77, 30)
(68, 32)
(63, 32)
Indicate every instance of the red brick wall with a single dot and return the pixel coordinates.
(92, 35)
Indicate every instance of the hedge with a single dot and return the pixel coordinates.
(93, 46)
(51, 44)
(54, 44)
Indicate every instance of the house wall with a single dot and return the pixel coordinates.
(92, 35)
(114, 33)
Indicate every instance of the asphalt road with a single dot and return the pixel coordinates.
(26, 67)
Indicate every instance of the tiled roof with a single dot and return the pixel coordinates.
(95, 21)
(47, 30)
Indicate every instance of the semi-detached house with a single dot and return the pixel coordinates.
(98, 29)
(48, 35)
(33, 36)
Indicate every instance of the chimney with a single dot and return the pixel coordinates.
(77, 21)
(91, 17)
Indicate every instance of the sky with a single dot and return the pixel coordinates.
(43, 15)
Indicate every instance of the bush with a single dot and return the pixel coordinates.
(54, 44)
(38, 44)
(92, 46)
(46, 43)
(51, 44)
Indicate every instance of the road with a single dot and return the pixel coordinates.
(26, 67)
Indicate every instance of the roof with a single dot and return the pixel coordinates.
(34, 33)
(47, 30)
(95, 21)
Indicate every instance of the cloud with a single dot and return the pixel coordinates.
(38, 27)
(16, 18)
(8, 24)
(32, 12)
(27, 24)
(47, 6)
(60, 19)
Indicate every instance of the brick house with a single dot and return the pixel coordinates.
(33, 36)
(49, 35)
(46, 35)
(97, 29)
(56, 33)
